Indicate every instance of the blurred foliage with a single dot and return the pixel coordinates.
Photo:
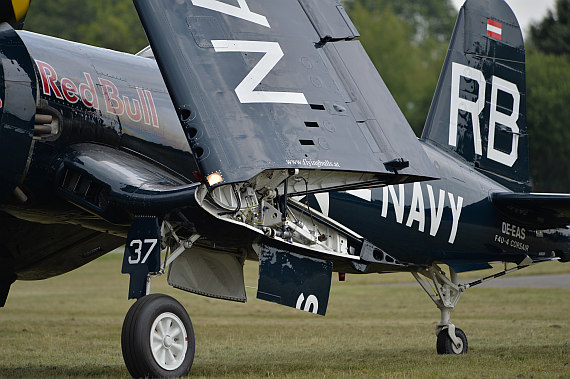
(113, 24)
(552, 34)
(548, 91)
(406, 40)
(408, 54)
(428, 18)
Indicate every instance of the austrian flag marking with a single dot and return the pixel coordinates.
(494, 29)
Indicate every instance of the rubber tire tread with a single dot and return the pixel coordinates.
(135, 334)
(128, 339)
(444, 343)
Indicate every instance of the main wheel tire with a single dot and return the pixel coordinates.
(446, 346)
(157, 338)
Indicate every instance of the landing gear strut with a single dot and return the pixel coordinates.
(157, 338)
(445, 293)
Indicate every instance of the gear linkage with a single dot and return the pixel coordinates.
(445, 293)
(169, 240)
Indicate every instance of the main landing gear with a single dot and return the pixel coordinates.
(445, 293)
(157, 338)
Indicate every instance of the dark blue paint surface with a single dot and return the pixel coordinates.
(125, 153)
(142, 254)
(483, 233)
(294, 280)
(17, 109)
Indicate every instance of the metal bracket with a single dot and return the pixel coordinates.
(497, 275)
(182, 245)
(445, 292)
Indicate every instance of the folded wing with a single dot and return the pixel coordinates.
(278, 84)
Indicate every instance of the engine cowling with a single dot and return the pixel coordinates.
(18, 92)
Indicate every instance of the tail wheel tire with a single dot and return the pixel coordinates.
(157, 338)
(446, 346)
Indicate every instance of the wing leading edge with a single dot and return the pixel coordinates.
(273, 85)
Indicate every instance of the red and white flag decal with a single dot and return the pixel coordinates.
(494, 29)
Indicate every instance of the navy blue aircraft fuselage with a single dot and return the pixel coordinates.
(238, 136)
(451, 220)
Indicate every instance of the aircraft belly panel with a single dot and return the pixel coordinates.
(37, 251)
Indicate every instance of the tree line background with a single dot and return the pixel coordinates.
(400, 36)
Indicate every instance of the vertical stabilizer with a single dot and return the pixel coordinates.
(479, 108)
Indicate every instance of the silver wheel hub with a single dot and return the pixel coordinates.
(457, 349)
(168, 341)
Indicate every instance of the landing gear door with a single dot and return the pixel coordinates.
(142, 254)
(294, 280)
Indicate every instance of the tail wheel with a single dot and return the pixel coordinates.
(157, 338)
(446, 346)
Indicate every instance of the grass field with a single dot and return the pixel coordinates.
(70, 326)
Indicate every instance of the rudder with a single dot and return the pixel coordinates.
(479, 107)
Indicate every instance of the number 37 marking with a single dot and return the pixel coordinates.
(138, 250)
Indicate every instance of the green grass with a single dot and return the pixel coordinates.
(70, 326)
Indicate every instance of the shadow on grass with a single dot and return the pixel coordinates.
(339, 361)
(43, 371)
(318, 361)
(497, 361)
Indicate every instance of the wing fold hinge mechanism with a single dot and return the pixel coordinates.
(330, 20)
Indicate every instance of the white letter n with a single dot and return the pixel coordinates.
(242, 11)
(245, 90)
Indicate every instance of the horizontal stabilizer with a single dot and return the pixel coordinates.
(278, 84)
(539, 211)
